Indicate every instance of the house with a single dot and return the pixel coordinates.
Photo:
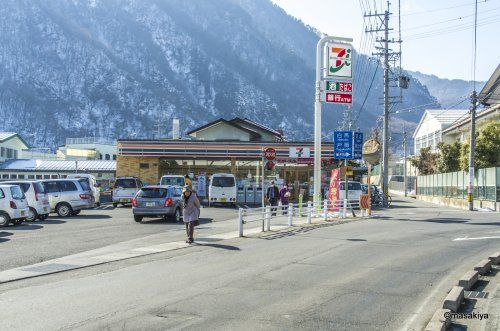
(11, 146)
(237, 129)
(88, 148)
(429, 131)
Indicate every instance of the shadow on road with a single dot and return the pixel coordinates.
(26, 226)
(356, 239)
(90, 216)
(50, 221)
(227, 247)
(4, 234)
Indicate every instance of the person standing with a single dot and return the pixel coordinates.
(273, 196)
(190, 212)
(284, 198)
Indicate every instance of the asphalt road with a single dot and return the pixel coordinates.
(386, 273)
(39, 241)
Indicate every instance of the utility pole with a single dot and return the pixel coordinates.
(470, 190)
(405, 183)
(386, 55)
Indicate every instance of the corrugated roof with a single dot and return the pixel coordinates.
(447, 116)
(58, 165)
(6, 135)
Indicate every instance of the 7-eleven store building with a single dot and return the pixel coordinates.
(151, 159)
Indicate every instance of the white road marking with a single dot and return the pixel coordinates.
(477, 238)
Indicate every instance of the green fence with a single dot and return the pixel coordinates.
(454, 184)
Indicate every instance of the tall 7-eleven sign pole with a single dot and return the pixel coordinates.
(338, 66)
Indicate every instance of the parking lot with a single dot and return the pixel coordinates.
(55, 237)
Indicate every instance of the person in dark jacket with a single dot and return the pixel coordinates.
(190, 212)
(273, 195)
(285, 199)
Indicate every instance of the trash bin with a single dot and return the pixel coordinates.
(250, 195)
(258, 196)
(240, 194)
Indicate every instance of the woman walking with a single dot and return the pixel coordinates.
(190, 212)
(284, 196)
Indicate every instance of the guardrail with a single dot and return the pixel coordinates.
(324, 210)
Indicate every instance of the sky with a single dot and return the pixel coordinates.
(437, 35)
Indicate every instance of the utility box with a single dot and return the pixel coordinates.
(258, 196)
(240, 194)
(250, 194)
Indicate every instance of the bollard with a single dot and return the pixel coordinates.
(290, 215)
(309, 212)
(325, 210)
(240, 221)
(344, 209)
(268, 218)
(263, 219)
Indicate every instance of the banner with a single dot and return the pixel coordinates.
(201, 189)
(334, 193)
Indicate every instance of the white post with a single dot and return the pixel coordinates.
(317, 116)
(325, 209)
(344, 211)
(290, 215)
(309, 212)
(240, 222)
(268, 218)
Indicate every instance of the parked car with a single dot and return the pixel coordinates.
(158, 201)
(67, 197)
(92, 183)
(354, 190)
(38, 201)
(125, 189)
(222, 189)
(13, 205)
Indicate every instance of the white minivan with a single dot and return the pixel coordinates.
(354, 190)
(13, 205)
(92, 183)
(38, 201)
(222, 189)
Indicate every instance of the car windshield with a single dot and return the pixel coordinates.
(351, 186)
(126, 183)
(153, 192)
(85, 184)
(39, 187)
(16, 192)
(178, 181)
(223, 181)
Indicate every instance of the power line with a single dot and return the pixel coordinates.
(367, 93)
(440, 32)
(441, 9)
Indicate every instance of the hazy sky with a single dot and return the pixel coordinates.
(437, 35)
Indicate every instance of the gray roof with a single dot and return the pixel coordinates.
(490, 94)
(4, 136)
(58, 165)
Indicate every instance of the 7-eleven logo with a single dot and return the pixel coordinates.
(340, 60)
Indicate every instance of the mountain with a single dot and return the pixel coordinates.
(448, 92)
(114, 68)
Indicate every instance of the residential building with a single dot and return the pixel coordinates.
(11, 146)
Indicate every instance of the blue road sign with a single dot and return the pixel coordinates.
(342, 145)
(358, 145)
(347, 145)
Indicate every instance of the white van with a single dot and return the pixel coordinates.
(354, 188)
(222, 189)
(173, 180)
(92, 183)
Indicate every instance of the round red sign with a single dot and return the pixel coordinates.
(270, 153)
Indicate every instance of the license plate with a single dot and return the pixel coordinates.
(124, 200)
(223, 200)
(150, 204)
(44, 209)
(22, 213)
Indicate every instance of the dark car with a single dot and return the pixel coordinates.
(160, 201)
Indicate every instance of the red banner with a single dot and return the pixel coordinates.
(334, 193)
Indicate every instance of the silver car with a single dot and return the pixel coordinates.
(161, 201)
(125, 189)
(67, 197)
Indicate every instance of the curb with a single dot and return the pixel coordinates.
(440, 320)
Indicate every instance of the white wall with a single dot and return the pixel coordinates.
(15, 144)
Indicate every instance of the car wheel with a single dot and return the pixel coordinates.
(75, 212)
(138, 218)
(4, 219)
(43, 217)
(32, 215)
(115, 205)
(98, 204)
(177, 215)
(63, 210)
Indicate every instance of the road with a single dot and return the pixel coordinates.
(386, 273)
(55, 237)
